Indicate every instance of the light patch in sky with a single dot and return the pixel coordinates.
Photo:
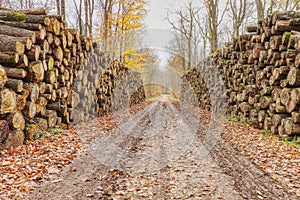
(158, 30)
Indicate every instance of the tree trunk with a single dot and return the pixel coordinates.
(63, 8)
(260, 10)
(58, 8)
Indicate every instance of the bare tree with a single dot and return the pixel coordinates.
(106, 7)
(79, 19)
(237, 14)
(212, 8)
(63, 8)
(186, 32)
(91, 4)
(86, 12)
(260, 9)
(58, 7)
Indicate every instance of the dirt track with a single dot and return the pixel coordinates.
(162, 152)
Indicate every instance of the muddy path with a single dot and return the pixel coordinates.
(162, 152)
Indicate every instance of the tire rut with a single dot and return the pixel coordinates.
(155, 155)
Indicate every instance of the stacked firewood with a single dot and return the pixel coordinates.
(127, 91)
(261, 72)
(103, 86)
(39, 57)
(49, 75)
(119, 87)
(192, 93)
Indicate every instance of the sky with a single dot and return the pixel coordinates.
(157, 12)
(158, 31)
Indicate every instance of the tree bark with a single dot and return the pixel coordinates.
(260, 10)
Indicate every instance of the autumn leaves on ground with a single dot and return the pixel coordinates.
(76, 165)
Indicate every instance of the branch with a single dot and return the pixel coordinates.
(223, 13)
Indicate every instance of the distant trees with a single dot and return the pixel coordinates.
(260, 9)
(201, 27)
(121, 29)
(61, 7)
(119, 23)
(185, 34)
(197, 26)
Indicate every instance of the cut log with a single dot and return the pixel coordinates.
(58, 54)
(294, 77)
(265, 101)
(296, 117)
(42, 87)
(43, 123)
(7, 45)
(58, 107)
(54, 26)
(14, 84)
(28, 26)
(15, 120)
(51, 117)
(34, 91)
(290, 127)
(13, 43)
(15, 73)
(279, 107)
(21, 100)
(4, 130)
(30, 110)
(15, 138)
(34, 11)
(7, 101)
(35, 72)
(7, 15)
(17, 32)
(50, 77)
(3, 77)
(9, 58)
(285, 96)
(34, 53)
(23, 61)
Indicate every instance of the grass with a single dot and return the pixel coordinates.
(51, 133)
(233, 118)
(288, 35)
(295, 142)
(269, 134)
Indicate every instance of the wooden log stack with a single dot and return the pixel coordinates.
(47, 71)
(104, 86)
(261, 71)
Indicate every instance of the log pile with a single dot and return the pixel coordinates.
(48, 73)
(261, 71)
(192, 93)
(104, 86)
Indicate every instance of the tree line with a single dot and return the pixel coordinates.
(203, 26)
